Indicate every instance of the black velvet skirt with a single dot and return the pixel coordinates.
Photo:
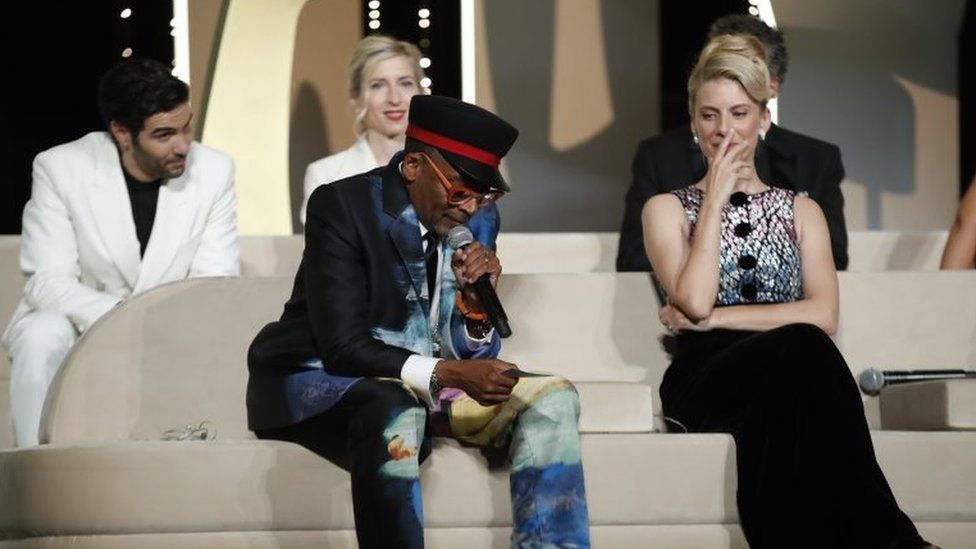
(807, 473)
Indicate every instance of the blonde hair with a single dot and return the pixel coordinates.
(738, 57)
(369, 52)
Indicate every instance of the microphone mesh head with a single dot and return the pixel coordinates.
(459, 236)
(871, 381)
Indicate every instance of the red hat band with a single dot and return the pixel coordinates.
(453, 146)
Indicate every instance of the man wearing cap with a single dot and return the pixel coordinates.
(384, 343)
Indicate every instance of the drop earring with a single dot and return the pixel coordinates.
(694, 137)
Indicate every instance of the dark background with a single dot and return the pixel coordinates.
(58, 50)
(441, 41)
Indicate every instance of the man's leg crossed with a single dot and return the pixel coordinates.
(539, 422)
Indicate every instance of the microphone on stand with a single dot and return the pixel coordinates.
(459, 237)
(871, 381)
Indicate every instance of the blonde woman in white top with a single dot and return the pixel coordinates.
(383, 75)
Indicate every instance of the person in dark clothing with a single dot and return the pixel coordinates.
(752, 296)
(785, 159)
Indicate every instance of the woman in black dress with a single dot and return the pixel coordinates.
(752, 298)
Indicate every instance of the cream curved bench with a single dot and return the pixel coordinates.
(522, 253)
(175, 356)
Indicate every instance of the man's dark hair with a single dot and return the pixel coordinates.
(136, 89)
(772, 39)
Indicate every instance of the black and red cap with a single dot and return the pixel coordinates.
(472, 139)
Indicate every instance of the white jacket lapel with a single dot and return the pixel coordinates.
(112, 213)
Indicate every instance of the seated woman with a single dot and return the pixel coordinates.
(960, 248)
(383, 75)
(752, 292)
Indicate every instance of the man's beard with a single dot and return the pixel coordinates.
(155, 168)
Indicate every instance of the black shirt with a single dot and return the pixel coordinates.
(143, 197)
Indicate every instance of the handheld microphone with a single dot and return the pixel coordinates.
(871, 381)
(459, 237)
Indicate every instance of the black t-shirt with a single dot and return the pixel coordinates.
(143, 197)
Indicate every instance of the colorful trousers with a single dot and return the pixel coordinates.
(380, 432)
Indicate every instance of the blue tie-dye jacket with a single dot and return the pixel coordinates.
(359, 305)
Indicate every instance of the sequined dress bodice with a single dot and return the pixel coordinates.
(759, 261)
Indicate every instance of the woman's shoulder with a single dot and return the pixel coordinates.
(671, 206)
(804, 205)
(669, 199)
(807, 214)
(356, 159)
(689, 198)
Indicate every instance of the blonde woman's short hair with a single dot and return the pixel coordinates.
(369, 52)
(738, 57)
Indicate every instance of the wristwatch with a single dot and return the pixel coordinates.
(435, 384)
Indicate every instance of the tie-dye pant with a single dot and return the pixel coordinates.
(377, 431)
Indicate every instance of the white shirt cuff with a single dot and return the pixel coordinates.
(416, 373)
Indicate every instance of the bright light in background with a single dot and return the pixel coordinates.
(425, 82)
(423, 23)
(126, 13)
(374, 15)
(181, 40)
(424, 62)
(467, 51)
(764, 9)
(423, 13)
(127, 52)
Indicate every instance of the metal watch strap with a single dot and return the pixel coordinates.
(435, 384)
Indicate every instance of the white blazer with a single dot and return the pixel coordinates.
(79, 249)
(352, 161)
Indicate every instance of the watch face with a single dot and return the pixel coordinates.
(435, 385)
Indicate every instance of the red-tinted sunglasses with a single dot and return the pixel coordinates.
(458, 194)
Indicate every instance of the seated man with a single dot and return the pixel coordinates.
(110, 215)
(384, 342)
(785, 159)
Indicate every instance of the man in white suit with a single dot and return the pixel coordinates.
(111, 215)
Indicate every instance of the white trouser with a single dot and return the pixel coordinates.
(37, 345)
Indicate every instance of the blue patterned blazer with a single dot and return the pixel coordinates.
(359, 306)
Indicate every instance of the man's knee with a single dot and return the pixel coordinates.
(553, 406)
(41, 336)
(382, 394)
(385, 407)
(556, 400)
(389, 425)
(546, 432)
